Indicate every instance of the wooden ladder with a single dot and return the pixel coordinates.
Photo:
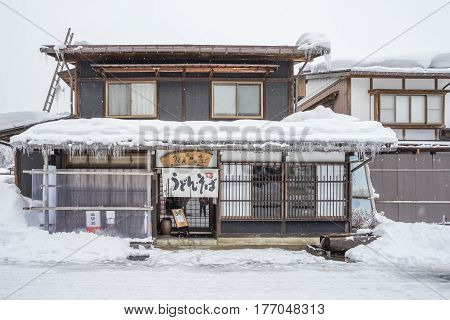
(55, 80)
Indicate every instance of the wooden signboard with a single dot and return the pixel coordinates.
(186, 158)
(180, 218)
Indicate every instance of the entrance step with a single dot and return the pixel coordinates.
(298, 243)
(174, 242)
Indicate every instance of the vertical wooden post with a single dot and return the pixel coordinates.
(349, 192)
(218, 212)
(149, 194)
(45, 190)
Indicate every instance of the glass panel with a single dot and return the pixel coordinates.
(387, 103)
(224, 100)
(434, 107)
(418, 109)
(402, 109)
(118, 99)
(360, 187)
(249, 99)
(142, 96)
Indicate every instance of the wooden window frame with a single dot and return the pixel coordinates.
(409, 94)
(236, 83)
(155, 96)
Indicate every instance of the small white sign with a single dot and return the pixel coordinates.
(110, 217)
(93, 221)
(190, 183)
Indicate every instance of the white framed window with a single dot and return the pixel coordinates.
(420, 109)
(131, 99)
(237, 100)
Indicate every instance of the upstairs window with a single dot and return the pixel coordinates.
(131, 99)
(237, 100)
(411, 109)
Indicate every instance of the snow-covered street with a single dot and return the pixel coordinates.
(398, 265)
(233, 274)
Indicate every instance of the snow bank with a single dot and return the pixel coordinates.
(19, 243)
(314, 42)
(406, 244)
(10, 120)
(317, 129)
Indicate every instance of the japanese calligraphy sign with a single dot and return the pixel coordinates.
(190, 183)
(186, 158)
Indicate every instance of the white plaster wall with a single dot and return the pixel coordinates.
(387, 83)
(360, 99)
(426, 84)
(419, 134)
(315, 157)
(442, 83)
(447, 110)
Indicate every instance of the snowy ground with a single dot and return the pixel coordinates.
(408, 261)
(236, 274)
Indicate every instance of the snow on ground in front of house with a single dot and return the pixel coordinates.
(418, 245)
(228, 274)
(10, 120)
(20, 243)
(317, 126)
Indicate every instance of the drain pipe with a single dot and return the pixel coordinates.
(297, 77)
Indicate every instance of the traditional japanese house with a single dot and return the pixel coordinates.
(412, 99)
(149, 143)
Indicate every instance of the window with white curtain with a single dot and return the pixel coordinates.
(418, 109)
(434, 109)
(233, 99)
(411, 109)
(402, 109)
(134, 99)
(387, 107)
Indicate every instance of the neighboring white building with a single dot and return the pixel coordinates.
(411, 98)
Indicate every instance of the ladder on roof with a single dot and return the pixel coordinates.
(55, 80)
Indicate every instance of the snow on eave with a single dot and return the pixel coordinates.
(318, 130)
(273, 146)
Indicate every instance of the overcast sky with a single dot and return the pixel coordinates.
(355, 28)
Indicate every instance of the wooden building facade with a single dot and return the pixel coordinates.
(233, 188)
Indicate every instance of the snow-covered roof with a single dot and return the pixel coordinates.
(18, 119)
(319, 129)
(436, 64)
(314, 42)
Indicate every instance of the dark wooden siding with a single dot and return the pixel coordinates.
(197, 100)
(276, 100)
(92, 98)
(271, 228)
(187, 98)
(170, 100)
(416, 179)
